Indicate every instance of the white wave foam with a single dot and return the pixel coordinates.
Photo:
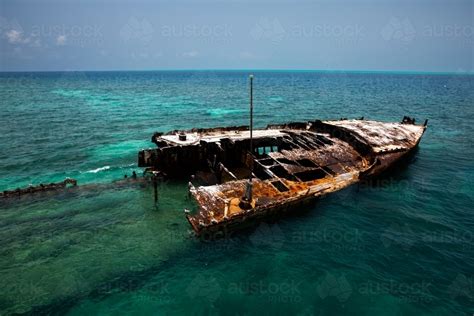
(98, 169)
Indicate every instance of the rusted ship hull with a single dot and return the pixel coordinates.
(41, 188)
(290, 164)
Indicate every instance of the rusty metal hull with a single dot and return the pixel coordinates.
(292, 163)
(38, 188)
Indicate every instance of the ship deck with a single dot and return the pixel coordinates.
(290, 163)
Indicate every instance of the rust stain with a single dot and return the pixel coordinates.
(292, 163)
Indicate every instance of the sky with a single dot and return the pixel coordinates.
(396, 35)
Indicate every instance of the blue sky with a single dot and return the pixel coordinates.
(415, 35)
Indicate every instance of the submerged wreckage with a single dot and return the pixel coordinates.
(287, 164)
(240, 176)
(41, 188)
(248, 175)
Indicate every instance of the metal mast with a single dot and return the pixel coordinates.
(246, 201)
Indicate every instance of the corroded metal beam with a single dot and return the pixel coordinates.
(292, 163)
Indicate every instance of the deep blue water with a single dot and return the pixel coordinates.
(402, 246)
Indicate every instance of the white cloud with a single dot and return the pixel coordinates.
(137, 29)
(190, 54)
(14, 36)
(61, 40)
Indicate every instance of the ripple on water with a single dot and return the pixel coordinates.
(102, 248)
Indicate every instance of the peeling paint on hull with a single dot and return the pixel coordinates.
(292, 164)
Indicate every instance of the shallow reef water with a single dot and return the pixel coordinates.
(402, 245)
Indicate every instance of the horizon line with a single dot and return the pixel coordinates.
(408, 72)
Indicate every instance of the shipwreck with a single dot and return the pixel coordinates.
(249, 175)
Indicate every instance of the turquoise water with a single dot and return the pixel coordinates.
(401, 246)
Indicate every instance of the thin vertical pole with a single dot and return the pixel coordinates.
(246, 200)
(251, 122)
(155, 187)
(249, 185)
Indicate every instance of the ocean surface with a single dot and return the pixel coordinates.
(401, 246)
